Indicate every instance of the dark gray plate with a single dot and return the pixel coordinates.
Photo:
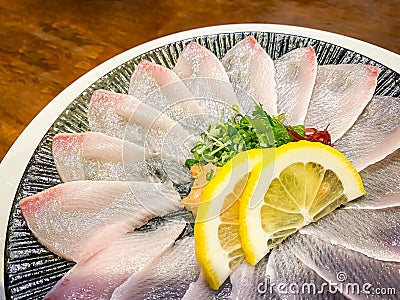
(30, 269)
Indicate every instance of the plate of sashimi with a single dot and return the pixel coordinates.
(243, 165)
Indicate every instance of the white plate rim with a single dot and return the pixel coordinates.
(14, 163)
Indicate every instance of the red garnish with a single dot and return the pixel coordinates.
(312, 135)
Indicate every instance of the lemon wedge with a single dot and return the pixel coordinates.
(305, 182)
(216, 230)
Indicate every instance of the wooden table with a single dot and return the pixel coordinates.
(47, 44)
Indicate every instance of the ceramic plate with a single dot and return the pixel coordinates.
(30, 270)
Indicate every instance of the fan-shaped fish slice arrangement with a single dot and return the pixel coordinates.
(125, 170)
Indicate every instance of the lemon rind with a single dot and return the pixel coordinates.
(254, 238)
(212, 258)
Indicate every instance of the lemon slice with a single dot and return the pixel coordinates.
(216, 230)
(307, 181)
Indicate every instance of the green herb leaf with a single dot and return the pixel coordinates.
(240, 133)
(300, 129)
(210, 175)
(190, 162)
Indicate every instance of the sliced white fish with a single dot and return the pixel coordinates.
(110, 113)
(382, 184)
(295, 79)
(127, 118)
(288, 277)
(101, 274)
(77, 219)
(386, 201)
(200, 290)
(251, 69)
(168, 277)
(197, 61)
(96, 156)
(160, 88)
(374, 135)
(248, 281)
(375, 233)
(340, 94)
(348, 271)
(207, 80)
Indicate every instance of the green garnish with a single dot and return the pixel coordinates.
(240, 133)
(210, 175)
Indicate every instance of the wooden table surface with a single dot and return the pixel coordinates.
(47, 44)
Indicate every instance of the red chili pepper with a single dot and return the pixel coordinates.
(312, 135)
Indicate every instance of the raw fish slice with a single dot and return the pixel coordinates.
(340, 94)
(197, 61)
(374, 135)
(286, 270)
(95, 156)
(109, 113)
(161, 88)
(386, 201)
(127, 118)
(345, 268)
(207, 80)
(101, 274)
(77, 219)
(113, 114)
(167, 278)
(375, 233)
(295, 78)
(248, 281)
(200, 290)
(382, 184)
(250, 68)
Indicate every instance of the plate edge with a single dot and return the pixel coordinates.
(14, 163)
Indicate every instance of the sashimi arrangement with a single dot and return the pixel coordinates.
(270, 150)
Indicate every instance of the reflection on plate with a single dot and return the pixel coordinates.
(30, 269)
